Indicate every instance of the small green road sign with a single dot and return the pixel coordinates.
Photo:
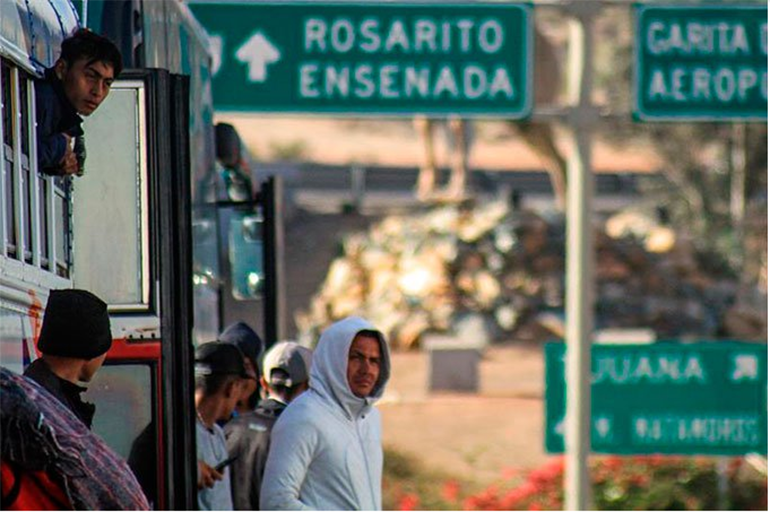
(703, 62)
(371, 58)
(707, 398)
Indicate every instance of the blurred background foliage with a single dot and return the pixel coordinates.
(654, 482)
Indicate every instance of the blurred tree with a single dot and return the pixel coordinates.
(698, 188)
(538, 135)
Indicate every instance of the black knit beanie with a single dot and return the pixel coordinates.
(75, 324)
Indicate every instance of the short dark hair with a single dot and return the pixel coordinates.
(371, 333)
(85, 44)
(213, 383)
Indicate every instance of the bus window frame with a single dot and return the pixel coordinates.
(26, 263)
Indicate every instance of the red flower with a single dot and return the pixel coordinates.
(513, 498)
(551, 472)
(409, 502)
(613, 462)
(485, 500)
(451, 490)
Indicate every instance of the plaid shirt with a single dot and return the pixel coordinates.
(41, 434)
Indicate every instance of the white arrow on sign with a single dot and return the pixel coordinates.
(558, 429)
(257, 52)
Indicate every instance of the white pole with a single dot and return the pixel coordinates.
(723, 483)
(580, 259)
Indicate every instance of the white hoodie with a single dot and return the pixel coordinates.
(326, 448)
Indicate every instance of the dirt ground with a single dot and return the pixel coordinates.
(476, 436)
(395, 143)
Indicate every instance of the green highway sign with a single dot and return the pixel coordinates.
(371, 58)
(704, 62)
(707, 398)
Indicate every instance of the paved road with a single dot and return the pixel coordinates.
(324, 188)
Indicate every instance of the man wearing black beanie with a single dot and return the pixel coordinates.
(74, 341)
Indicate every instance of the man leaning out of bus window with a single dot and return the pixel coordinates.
(75, 86)
(219, 375)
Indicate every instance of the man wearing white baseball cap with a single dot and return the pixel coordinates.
(285, 375)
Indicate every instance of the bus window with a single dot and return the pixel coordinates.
(43, 209)
(12, 336)
(247, 255)
(124, 417)
(61, 213)
(28, 203)
(6, 80)
(27, 178)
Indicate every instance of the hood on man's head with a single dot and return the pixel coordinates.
(330, 361)
(248, 341)
(75, 324)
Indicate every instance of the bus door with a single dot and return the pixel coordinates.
(132, 247)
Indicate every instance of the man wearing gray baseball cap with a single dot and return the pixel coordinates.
(285, 375)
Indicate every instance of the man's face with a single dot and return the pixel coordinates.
(85, 84)
(91, 367)
(233, 391)
(249, 385)
(364, 361)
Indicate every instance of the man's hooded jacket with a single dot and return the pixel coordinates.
(326, 448)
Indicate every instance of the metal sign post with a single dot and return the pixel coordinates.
(580, 257)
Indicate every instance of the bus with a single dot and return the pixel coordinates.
(165, 224)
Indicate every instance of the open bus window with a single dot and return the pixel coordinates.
(124, 417)
(34, 209)
(246, 255)
(61, 215)
(28, 181)
(9, 182)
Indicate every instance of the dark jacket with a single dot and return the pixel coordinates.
(64, 391)
(55, 117)
(41, 435)
(248, 438)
